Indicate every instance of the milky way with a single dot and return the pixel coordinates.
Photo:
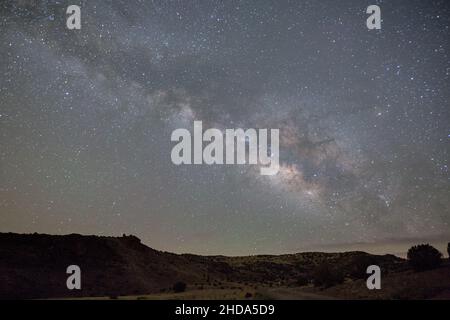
(364, 117)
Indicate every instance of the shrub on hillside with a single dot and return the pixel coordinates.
(179, 286)
(302, 280)
(424, 257)
(325, 276)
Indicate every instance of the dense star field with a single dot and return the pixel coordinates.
(364, 117)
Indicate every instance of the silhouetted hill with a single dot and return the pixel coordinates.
(34, 266)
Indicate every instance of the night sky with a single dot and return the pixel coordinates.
(364, 116)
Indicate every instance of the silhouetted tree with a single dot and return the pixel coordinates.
(424, 257)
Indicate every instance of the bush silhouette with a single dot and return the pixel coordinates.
(179, 286)
(448, 250)
(424, 257)
(325, 276)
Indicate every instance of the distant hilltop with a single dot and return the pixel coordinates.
(35, 266)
